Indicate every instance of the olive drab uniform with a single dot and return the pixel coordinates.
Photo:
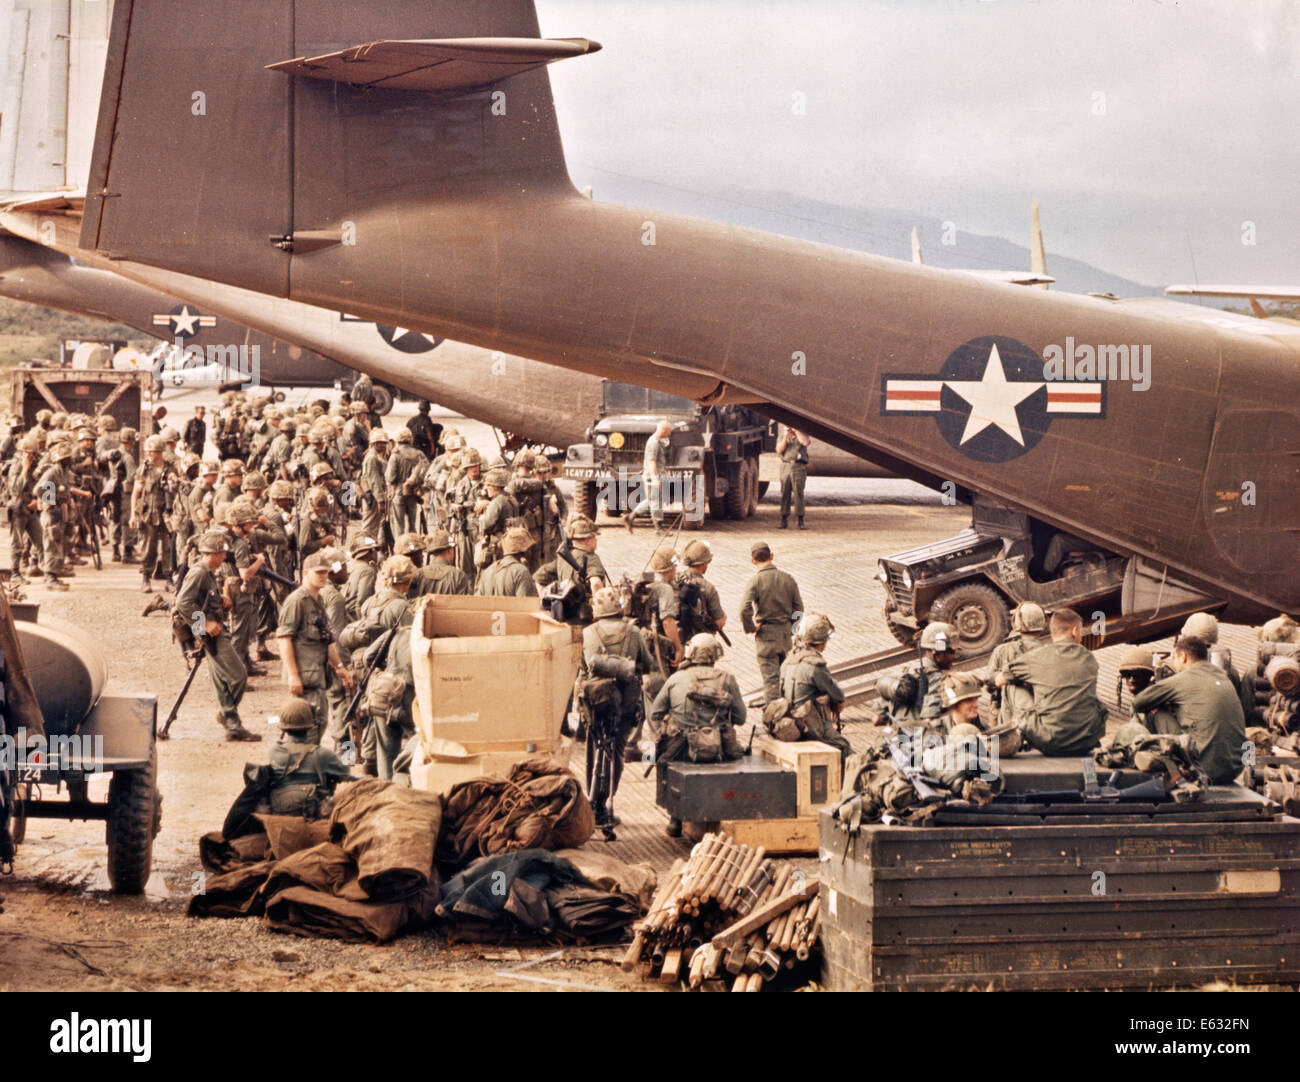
(807, 683)
(303, 776)
(336, 693)
(374, 495)
(559, 570)
(695, 715)
(771, 598)
(549, 541)
(437, 577)
(390, 695)
(199, 600)
(1017, 702)
(121, 534)
(24, 522)
(611, 706)
(402, 475)
(1067, 718)
(360, 586)
(243, 596)
(501, 512)
(55, 500)
(151, 513)
(528, 494)
(699, 608)
(1208, 708)
(303, 619)
(462, 523)
(924, 707)
(794, 477)
(506, 577)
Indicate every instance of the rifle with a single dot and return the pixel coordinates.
(908, 764)
(690, 594)
(165, 732)
(379, 657)
(265, 572)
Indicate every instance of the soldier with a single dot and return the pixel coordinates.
(24, 508)
(528, 493)
(403, 473)
(440, 575)
(373, 486)
(265, 436)
(815, 698)
(554, 508)
(200, 607)
(496, 514)
(959, 692)
(916, 700)
(590, 575)
(661, 601)
(391, 691)
(230, 489)
(240, 579)
(334, 600)
(1204, 626)
(1137, 671)
(315, 528)
(696, 712)
(424, 433)
(654, 466)
(1028, 632)
(124, 469)
(355, 440)
(362, 570)
(55, 490)
(508, 576)
(304, 774)
(280, 450)
(1204, 703)
(793, 449)
(307, 643)
(363, 391)
(1067, 716)
(614, 658)
(462, 521)
(149, 514)
(768, 610)
(699, 608)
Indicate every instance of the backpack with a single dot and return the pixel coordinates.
(706, 701)
(604, 694)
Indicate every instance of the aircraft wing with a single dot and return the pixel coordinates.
(1268, 293)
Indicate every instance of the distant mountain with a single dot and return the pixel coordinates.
(881, 232)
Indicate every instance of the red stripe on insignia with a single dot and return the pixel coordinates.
(914, 396)
(1074, 396)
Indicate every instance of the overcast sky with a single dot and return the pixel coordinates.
(1149, 130)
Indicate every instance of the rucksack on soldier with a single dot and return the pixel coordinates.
(706, 701)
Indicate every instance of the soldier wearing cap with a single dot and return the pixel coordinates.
(1205, 705)
(307, 647)
(440, 575)
(769, 608)
(590, 574)
(403, 473)
(362, 571)
(24, 506)
(372, 484)
(1067, 717)
(508, 576)
(196, 431)
(55, 490)
(149, 513)
(806, 683)
(230, 488)
(304, 774)
(201, 607)
(1028, 632)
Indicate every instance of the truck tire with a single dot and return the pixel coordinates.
(18, 820)
(904, 634)
(383, 401)
(751, 488)
(584, 499)
(737, 498)
(134, 816)
(978, 612)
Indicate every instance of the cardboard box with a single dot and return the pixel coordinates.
(493, 677)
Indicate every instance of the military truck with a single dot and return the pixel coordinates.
(1003, 558)
(53, 676)
(713, 455)
(126, 395)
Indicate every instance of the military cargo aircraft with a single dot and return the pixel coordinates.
(465, 223)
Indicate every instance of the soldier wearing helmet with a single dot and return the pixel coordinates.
(372, 486)
(614, 658)
(699, 608)
(590, 574)
(316, 527)
(199, 613)
(304, 775)
(230, 488)
(155, 488)
(363, 570)
(661, 613)
(1204, 626)
(916, 694)
(1137, 672)
(554, 506)
(527, 492)
(440, 575)
(404, 473)
(1067, 718)
(496, 514)
(355, 440)
(55, 489)
(508, 576)
(1028, 632)
(815, 699)
(240, 578)
(307, 643)
(696, 713)
(391, 693)
(769, 609)
(463, 491)
(24, 508)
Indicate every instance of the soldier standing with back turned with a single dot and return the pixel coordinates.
(768, 610)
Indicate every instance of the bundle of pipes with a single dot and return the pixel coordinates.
(727, 914)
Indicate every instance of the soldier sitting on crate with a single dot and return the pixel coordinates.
(913, 699)
(1028, 632)
(614, 658)
(811, 700)
(695, 714)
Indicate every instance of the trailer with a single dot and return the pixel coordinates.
(126, 396)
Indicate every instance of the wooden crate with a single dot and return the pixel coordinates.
(817, 767)
(780, 837)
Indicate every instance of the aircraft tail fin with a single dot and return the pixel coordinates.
(1037, 256)
(235, 135)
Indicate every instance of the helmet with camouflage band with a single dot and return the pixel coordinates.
(1028, 617)
(581, 527)
(213, 541)
(605, 602)
(697, 553)
(959, 686)
(516, 540)
(664, 559)
(397, 569)
(703, 649)
(815, 628)
(938, 637)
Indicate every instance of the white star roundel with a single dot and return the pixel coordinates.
(990, 399)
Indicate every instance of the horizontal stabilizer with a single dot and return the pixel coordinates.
(446, 64)
(1268, 293)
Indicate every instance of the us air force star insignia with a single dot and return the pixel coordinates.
(990, 399)
(181, 322)
(407, 340)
